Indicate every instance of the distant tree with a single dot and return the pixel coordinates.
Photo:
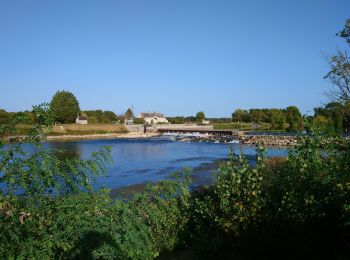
(257, 115)
(65, 107)
(4, 117)
(129, 114)
(339, 74)
(294, 119)
(200, 117)
(241, 115)
(139, 121)
(176, 120)
(110, 116)
(277, 119)
(101, 117)
(336, 113)
(321, 122)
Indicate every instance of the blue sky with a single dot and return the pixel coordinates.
(176, 57)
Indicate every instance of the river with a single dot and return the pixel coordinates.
(137, 161)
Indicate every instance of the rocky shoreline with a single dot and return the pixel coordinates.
(265, 140)
(268, 140)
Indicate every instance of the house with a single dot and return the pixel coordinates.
(129, 121)
(154, 118)
(81, 120)
(205, 122)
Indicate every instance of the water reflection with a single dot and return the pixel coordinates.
(150, 160)
(142, 150)
(65, 150)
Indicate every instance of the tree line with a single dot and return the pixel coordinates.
(279, 119)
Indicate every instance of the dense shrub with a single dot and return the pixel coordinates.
(295, 207)
(90, 225)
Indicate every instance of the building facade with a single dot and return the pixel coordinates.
(154, 118)
(81, 120)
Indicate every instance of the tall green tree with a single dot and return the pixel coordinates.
(240, 115)
(294, 119)
(200, 117)
(129, 114)
(257, 115)
(4, 116)
(277, 119)
(339, 74)
(65, 107)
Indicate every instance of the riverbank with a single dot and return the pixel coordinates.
(268, 140)
(101, 136)
(80, 132)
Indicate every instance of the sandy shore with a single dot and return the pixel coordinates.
(101, 136)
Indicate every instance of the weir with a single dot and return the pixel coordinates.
(198, 130)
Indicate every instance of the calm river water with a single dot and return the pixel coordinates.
(138, 161)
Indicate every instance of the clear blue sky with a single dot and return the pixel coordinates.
(176, 57)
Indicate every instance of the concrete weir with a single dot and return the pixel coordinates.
(197, 130)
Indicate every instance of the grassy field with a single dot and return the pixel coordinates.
(74, 129)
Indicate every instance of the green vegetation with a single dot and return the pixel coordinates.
(182, 120)
(339, 74)
(139, 121)
(4, 117)
(65, 107)
(276, 118)
(200, 116)
(243, 126)
(100, 117)
(129, 114)
(337, 112)
(334, 115)
(294, 119)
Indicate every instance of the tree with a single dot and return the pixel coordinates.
(339, 74)
(4, 116)
(65, 107)
(101, 117)
(277, 119)
(321, 122)
(335, 113)
(129, 114)
(240, 115)
(200, 117)
(294, 119)
(110, 116)
(256, 115)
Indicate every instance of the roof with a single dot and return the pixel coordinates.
(144, 115)
(82, 118)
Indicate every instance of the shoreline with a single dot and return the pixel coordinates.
(100, 136)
